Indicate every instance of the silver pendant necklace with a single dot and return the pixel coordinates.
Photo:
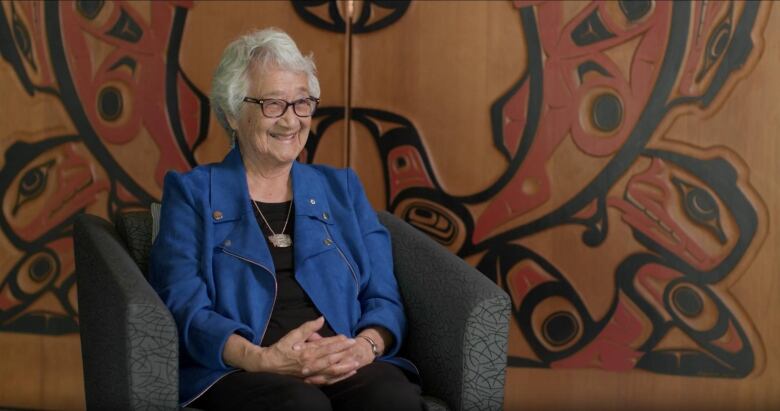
(280, 240)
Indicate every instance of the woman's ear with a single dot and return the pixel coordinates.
(232, 122)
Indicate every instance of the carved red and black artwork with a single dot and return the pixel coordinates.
(686, 217)
(116, 75)
(672, 224)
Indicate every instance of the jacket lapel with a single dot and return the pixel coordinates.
(312, 213)
(230, 204)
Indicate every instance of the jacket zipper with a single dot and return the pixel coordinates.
(346, 261)
(276, 288)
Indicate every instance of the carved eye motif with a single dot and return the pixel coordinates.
(22, 38)
(634, 10)
(110, 103)
(32, 184)
(560, 328)
(89, 9)
(701, 207)
(716, 44)
(37, 272)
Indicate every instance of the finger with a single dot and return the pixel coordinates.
(310, 327)
(324, 380)
(340, 368)
(344, 377)
(319, 364)
(316, 380)
(304, 331)
(323, 341)
(325, 350)
(314, 337)
(332, 365)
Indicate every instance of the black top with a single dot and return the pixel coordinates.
(292, 307)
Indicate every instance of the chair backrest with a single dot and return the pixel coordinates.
(129, 341)
(135, 229)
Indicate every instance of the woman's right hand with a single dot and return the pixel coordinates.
(290, 356)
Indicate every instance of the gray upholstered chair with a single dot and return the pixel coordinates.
(457, 335)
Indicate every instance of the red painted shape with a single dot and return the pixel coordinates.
(730, 340)
(32, 16)
(646, 207)
(515, 119)
(567, 99)
(611, 350)
(76, 186)
(7, 300)
(650, 276)
(525, 279)
(407, 169)
(704, 21)
(589, 210)
(123, 195)
(143, 90)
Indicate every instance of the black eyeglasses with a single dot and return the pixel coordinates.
(274, 107)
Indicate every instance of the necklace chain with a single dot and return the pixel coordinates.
(281, 239)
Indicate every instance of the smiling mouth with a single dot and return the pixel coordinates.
(285, 137)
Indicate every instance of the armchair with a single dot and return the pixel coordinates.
(457, 320)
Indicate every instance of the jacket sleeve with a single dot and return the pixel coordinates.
(380, 300)
(176, 273)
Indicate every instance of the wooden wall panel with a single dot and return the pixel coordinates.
(611, 166)
(428, 69)
(100, 99)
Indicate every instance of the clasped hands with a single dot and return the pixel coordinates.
(304, 353)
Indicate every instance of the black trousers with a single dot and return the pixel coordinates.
(377, 386)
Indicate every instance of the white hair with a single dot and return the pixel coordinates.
(264, 47)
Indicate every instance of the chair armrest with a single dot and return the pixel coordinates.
(129, 343)
(458, 321)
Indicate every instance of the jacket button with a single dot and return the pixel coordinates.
(217, 215)
(327, 241)
(227, 243)
(312, 202)
(324, 216)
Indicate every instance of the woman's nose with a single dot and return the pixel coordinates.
(289, 118)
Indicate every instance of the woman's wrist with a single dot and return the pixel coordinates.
(241, 353)
(380, 337)
(374, 347)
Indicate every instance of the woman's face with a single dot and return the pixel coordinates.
(273, 141)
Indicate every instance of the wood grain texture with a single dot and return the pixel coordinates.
(430, 81)
(612, 166)
(101, 99)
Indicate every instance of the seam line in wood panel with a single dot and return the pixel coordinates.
(349, 8)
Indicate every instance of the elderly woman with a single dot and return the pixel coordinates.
(278, 274)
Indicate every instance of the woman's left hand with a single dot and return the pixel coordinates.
(359, 354)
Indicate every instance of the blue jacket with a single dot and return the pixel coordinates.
(211, 265)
